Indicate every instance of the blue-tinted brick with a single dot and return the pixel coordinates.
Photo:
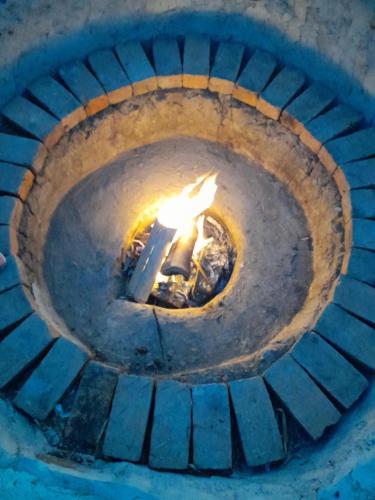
(356, 297)
(137, 66)
(280, 91)
(196, 62)
(254, 77)
(167, 61)
(362, 265)
(58, 100)
(226, 66)
(111, 75)
(22, 151)
(306, 106)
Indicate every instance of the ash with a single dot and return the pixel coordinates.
(210, 271)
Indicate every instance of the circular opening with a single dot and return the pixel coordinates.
(195, 270)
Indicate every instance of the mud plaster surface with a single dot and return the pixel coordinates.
(278, 286)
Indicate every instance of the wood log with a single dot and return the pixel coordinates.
(150, 262)
(180, 255)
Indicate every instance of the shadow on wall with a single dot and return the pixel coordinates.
(53, 52)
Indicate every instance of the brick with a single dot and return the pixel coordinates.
(21, 347)
(212, 440)
(357, 146)
(360, 174)
(51, 378)
(167, 62)
(15, 180)
(329, 125)
(256, 422)
(14, 307)
(111, 75)
(171, 426)
(225, 68)
(363, 203)
(348, 334)
(362, 266)
(9, 275)
(196, 62)
(313, 101)
(58, 100)
(91, 407)
(329, 369)
(8, 204)
(356, 297)
(301, 396)
(254, 77)
(34, 120)
(280, 91)
(7, 241)
(137, 66)
(84, 86)
(363, 233)
(126, 430)
(22, 151)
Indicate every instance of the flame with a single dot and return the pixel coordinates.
(180, 212)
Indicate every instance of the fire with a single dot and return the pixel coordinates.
(180, 212)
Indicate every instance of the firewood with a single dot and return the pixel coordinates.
(150, 262)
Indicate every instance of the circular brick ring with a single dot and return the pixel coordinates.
(173, 425)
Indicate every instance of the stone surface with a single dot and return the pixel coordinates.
(360, 174)
(254, 77)
(167, 62)
(280, 91)
(111, 75)
(313, 101)
(14, 306)
(329, 369)
(91, 407)
(126, 430)
(137, 66)
(301, 396)
(357, 146)
(259, 433)
(50, 379)
(225, 68)
(33, 120)
(15, 180)
(212, 440)
(7, 205)
(363, 203)
(196, 62)
(350, 335)
(58, 100)
(356, 297)
(84, 86)
(339, 120)
(9, 275)
(22, 151)
(171, 426)
(362, 265)
(363, 233)
(21, 347)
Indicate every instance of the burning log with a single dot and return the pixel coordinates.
(180, 255)
(150, 261)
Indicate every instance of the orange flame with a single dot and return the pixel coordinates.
(180, 212)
